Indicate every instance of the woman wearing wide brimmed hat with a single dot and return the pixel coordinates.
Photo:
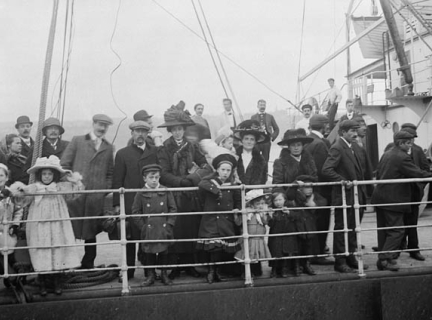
(51, 178)
(252, 167)
(179, 158)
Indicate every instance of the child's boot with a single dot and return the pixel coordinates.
(165, 279)
(42, 286)
(57, 284)
(211, 274)
(150, 279)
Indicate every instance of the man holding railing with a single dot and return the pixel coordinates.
(394, 164)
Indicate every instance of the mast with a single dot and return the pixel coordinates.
(397, 42)
(348, 24)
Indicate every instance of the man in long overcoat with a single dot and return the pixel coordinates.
(92, 156)
(127, 174)
(319, 148)
(343, 164)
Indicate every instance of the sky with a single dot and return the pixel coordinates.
(162, 62)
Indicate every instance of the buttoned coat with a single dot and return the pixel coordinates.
(286, 169)
(48, 150)
(343, 164)
(26, 150)
(155, 227)
(127, 174)
(270, 124)
(96, 168)
(396, 164)
(214, 199)
(256, 172)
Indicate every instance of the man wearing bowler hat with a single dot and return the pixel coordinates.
(343, 164)
(92, 156)
(127, 174)
(52, 144)
(24, 126)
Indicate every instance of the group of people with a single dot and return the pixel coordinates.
(237, 154)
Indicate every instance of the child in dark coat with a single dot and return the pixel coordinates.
(218, 225)
(281, 221)
(154, 227)
(305, 220)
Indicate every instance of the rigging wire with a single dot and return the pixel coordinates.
(112, 72)
(209, 49)
(71, 27)
(300, 52)
(334, 42)
(221, 63)
(63, 58)
(226, 56)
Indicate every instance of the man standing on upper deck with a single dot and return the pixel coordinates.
(226, 119)
(343, 164)
(127, 174)
(269, 125)
(92, 156)
(331, 102)
(304, 123)
(24, 126)
(197, 117)
(52, 143)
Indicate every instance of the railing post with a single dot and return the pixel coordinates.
(5, 247)
(358, 231)
(345, 220)
(247, 260)
(123, 242)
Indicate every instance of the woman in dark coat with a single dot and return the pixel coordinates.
(16, 162)
(218, 225)
(179, 157)
(252, 167)
(293, 160)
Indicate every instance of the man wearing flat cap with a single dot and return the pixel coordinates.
(52, 144)
(417, 155)
(24, 126)
(127, 174)
(319, 148)
(92, 156)
(396, 163)
(343, 164)
(154, 137)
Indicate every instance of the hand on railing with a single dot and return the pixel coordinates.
(347, 184)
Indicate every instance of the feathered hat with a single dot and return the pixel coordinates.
(177, 116)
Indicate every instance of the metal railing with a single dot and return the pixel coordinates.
(359, 253)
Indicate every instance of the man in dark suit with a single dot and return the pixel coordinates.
(319, 148)
(127, 174)
(24, 126)
(394, 164)
(343, 164)
(92, 156)
(418, 157)
(53, 144)
(351, 113)
(267, 123)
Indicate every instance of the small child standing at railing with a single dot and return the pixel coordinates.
(218, 225)
(281, 221)
(51, 178)
(256, 222)
(154, 227)
(305, 221)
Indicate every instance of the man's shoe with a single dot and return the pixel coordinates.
(307, 268)
(353, 263)
(417, 256)
(322, 261)
(150, 279)
(343, 268)
(387, 265)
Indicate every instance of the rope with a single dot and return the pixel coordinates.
(45, 82)
(91, 278)
(221, 63)
(68, 61)
(114, 70)
(226, 56)
(63, 56)
(300, 53)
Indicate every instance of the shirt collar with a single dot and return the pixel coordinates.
(141, 147)
(348, 144)
(319, 134)
(147, 186)
(94, 137)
